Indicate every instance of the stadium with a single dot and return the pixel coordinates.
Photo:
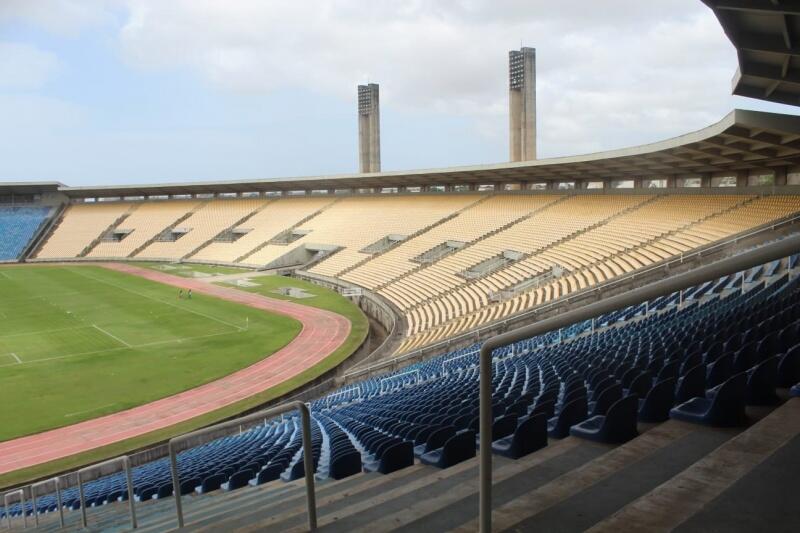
(605, 342)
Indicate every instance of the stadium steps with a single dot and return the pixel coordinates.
(91, 246)
(172, 226)
(226, 230)
(479, 239)
(417, 233)
(291, 228)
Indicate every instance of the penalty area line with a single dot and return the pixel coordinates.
(101, 330)
(16, 357)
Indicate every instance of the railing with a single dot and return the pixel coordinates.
(189, 440)
(93, 472)
(610, 284)
(57, 483)
(764, 254)
(7, 498)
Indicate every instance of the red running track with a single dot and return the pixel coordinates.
(323, 332)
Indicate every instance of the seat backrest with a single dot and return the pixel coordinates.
(530, 432)
(731, 392)
(621, 417)
(789, 367)
(437, 439)
(571, 414)
(458, 447)
(504, 426)
(692, 384)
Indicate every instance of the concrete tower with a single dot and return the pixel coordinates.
(369, 129)
(522, 104)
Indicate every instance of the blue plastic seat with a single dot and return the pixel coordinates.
(691, 385)
(605, 399)
(240, 479)
(795, 391)
(656, 405)
(212, 483)
(270, 473)
(571, 414)
(789, 367)
(761, 383)
(726, 408)
(164, 491)
(530, 435)
(435, 440)
(458, 448)
(395, 457)
(617, 426)
(345, 465)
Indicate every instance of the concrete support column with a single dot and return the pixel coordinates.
(780, 176)
(522, 104)
(741, 178)
(705, 180)
(369, 128)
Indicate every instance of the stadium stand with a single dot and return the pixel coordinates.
(18, 225)
(626, 374)
(80, 226)
(449, 263)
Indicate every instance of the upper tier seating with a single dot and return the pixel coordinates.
(18, 225)
(383, 418)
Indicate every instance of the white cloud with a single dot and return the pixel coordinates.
(62, 17)
(610, 72)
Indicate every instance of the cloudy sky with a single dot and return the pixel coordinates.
(126, 91)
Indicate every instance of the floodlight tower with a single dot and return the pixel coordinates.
(522, 104)
(369, 129)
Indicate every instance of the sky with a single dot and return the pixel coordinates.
(100, 92)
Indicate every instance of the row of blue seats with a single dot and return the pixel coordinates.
(18, 225)
(688, 360)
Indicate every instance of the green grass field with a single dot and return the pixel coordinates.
(78, 342)
(191, 270)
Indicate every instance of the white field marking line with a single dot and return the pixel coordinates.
(15, 356)
(41, 332)
(177, 341)
(68, 415)
(101, 330)
(5, 275)
(158, 300)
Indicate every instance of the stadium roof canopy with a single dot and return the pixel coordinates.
(766, 34)
(29, 187)
(742, 141)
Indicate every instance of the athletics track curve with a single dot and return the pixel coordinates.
(322, 333)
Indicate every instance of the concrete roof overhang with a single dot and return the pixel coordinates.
(743, 140)
(766, 34)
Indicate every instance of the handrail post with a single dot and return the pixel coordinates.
(92, 469)
(126, 462)
(308, 466)
(33, 506)
(59, 502)
(485, 428)
(83, 499)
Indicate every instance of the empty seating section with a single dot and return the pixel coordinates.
(473, 223)
(354, 223)
(544, 246)
(595, 384)
(18, 225)
(81, 225)
(147, 220)
(204, 224)
(275, 217)
(652, 232)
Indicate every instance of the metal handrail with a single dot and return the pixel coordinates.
(57, 482)
(764, 254)
(182, 442)
(682, 258)
(92, 473)
(7, 497)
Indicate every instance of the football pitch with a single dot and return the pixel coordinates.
(78, 342)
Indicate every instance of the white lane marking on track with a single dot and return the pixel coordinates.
(101, 330)
(240, 328)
